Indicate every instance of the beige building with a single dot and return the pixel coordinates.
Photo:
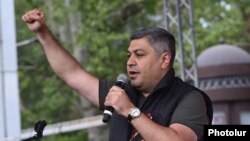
(224, 74)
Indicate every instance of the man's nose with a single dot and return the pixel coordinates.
(131, 61)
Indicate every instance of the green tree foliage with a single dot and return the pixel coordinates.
(222, 19)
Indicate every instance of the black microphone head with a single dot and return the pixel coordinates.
(122, 78)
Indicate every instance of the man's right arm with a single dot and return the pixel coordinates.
(63, 64)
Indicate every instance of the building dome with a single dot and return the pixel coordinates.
(223, 54)
(223, 60)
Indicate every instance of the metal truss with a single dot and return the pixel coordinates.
(179, 20)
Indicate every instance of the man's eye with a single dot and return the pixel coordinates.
(139, 55)
(128, 55)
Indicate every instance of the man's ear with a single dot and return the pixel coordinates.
(165, 57)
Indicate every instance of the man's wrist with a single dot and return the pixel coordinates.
(133, 113)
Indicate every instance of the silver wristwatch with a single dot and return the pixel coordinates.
(134, 113)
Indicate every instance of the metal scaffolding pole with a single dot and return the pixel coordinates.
(10, 128)
(179, 20)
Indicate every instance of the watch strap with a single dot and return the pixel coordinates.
(130, 118)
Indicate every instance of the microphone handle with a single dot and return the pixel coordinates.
(107, 114)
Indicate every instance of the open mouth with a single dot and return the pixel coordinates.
(133, 74)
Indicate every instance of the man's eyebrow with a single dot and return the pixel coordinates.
(136, 50)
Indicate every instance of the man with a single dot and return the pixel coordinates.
(154, 106)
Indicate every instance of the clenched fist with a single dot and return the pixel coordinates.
(35, 20)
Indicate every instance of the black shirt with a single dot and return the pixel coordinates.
(172, 101)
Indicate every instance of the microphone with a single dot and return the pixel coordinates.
(121, 80)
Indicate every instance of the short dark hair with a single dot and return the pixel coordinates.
(160, 39)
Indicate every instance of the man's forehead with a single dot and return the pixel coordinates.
(138, 44)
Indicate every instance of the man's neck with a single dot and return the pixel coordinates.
(145, 94)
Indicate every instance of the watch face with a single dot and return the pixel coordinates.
(135, 112)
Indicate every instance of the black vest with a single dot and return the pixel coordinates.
(160, 105)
